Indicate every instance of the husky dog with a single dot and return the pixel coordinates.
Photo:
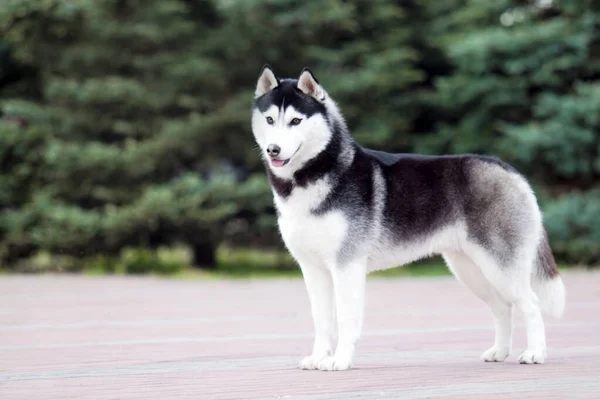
(344, 211)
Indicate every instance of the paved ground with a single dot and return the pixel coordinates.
(143, 338)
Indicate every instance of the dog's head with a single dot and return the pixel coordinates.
(289, 120)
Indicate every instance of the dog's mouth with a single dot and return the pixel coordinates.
(277, 163)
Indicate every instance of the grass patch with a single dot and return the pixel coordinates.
(430, 267)
(176, 263)
(257, 264)
(233, 263)
(248, 264)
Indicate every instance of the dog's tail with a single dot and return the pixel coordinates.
(546, 281)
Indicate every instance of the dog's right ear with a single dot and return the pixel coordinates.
(267, 81)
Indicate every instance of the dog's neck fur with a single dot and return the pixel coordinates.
(337, 156)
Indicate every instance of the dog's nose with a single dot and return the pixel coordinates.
(273, 150)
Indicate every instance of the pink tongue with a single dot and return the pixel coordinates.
(277, 163)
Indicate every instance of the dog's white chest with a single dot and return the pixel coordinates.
(310, 238)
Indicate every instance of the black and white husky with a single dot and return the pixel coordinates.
(345, 211)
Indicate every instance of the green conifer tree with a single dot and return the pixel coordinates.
(525, 86)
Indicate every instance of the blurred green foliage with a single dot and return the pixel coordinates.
(134, 261)
(125, 123)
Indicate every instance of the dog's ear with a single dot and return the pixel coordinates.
(266, 82)
(310, 85)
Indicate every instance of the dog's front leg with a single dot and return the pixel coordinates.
(320, 289)
(349, 283)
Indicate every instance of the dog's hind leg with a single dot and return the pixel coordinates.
(319, 285)
(471, 276)
(349, 282)
(512, 280)
(536, 335)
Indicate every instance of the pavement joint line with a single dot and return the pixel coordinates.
(183, 321)
(217, 339)
(170, 367)
(147, 322)
(580, 385)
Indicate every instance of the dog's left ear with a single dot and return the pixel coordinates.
(309, 85)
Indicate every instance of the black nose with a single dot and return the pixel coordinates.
(273, 150)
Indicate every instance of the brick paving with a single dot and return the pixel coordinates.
(72, 337)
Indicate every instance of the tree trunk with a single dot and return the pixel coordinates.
(204, 254)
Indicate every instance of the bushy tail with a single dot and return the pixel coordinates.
(546, 281)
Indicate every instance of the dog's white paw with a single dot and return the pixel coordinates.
(532, 357)
(336, 363)
(312, 361)
(495, 354)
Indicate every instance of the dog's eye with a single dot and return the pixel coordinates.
(270, 121)
(295, 121)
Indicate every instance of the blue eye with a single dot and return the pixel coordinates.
(295, 121)
(270, 121)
